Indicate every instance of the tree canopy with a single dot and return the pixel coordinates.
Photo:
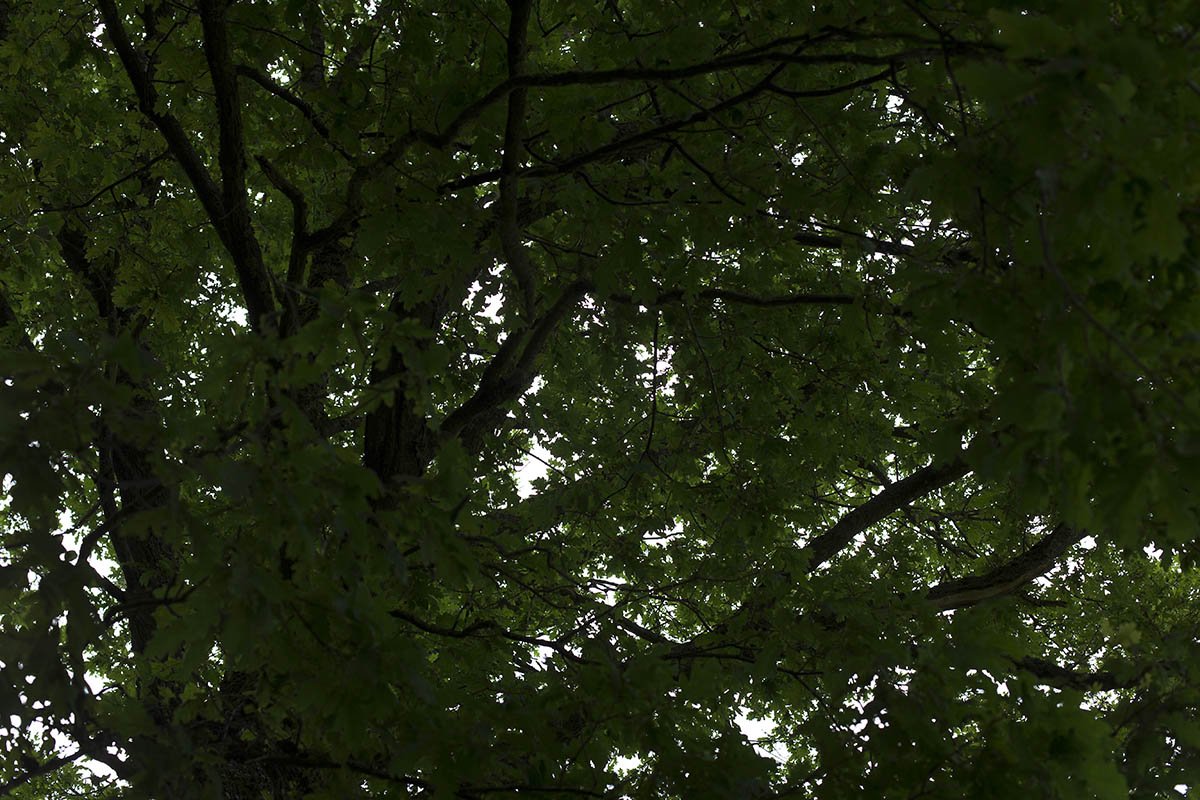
(856, 346)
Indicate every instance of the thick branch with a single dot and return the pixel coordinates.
(136, 67)
(1064, 678)
(295, 197)
(514, 126)
(73, 246)
(893, 498)
(231, 227)
(1036, 561)
(397, 439)
(242, 243)
(231, 154)
(501, 384)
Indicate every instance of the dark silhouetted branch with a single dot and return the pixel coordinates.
(501, 383)
(514, 126)
(892, 498)
(743, 298)
(232, 224)
(1036, 561)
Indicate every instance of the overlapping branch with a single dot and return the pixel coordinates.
(753, 58)
(522, 82)
(570, 165)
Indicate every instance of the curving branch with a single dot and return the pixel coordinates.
(300, 104)
(1035, 561)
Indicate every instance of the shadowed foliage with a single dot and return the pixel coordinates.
(612, 399)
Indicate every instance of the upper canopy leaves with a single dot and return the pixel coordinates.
(821, 321)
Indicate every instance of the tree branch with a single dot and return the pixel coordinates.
(345, 221)
(1037, 560)
(232, 227)
(137, 171)
(742, 298)
(571, 164)
(298, 248)
(892, 498)
(796, 94)
(1064, 678)
(362, 40)
(46, 767)
(501, 384)
(487, 625)
(243, 244)
(8, 318)
(72, 244)
(302, 105)
(633, 74)
(137, 69)
(514, 126)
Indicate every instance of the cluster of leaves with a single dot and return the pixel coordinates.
(859, 340)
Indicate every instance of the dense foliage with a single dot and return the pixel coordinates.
(860, 343)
